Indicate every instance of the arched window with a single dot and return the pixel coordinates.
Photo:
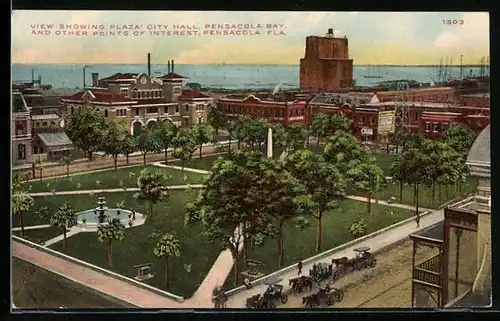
(105, 113)
(72, 110)
(21, 151)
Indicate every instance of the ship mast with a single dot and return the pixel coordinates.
(481, 70)
(440, 71)
(461, 66)
(445, 73)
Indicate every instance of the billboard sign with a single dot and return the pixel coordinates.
(386, 122)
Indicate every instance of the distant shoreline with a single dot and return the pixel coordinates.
(267, 65)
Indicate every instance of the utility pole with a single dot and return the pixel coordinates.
(402, 108)
(461, 66)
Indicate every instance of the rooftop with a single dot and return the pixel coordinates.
(99, 96)
(171, 76)
(480, 150)
(433, 232)
(120, 76)
(192, 94)
(18, 103)
(55, 139)
(482, 95)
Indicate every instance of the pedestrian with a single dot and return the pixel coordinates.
(417, 219)
(248, 284)
(299, 265)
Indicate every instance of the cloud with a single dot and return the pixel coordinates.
(472, 34)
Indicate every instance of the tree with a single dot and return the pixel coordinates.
(367, 178)
(128, 146)
(344, 151)
(217, 118)
(114, 230)
(85, 129)
(414, 165)
(112, 142)
(323, 182)
(22, 202)
(151, 188)
(411, 140)
(64, 219)
(255, 132)
(146, 142)
(230, 207)
(337, 122)
(202, 134)
(167, 245)
(443, 165)
(165, 133)
(66, 160)
(279, 136)
(319, 125)
(397, 173)
(184, 145)
(296, 137)
(237, 130)
(459, 137)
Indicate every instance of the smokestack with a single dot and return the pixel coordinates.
(168, 62)
(95, 79)
(149, 64)
(330, 33)
(172, 65)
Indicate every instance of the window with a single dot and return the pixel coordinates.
(152, 110)
(137, 111)
(143, 94)
(122, 112)
(436, 127)
(52, 122)
(186, 108)
(105, 113)
(427, 127)
(148, 94)
(372, 120)
(200, 120)
(362, 119)
(21, 151)
(177, 109)
(416, 116)
(72, 110)
(445, 127)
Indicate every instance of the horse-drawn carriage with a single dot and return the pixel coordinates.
(327, 295)
(363, 259)
(299, 283)
(219, 298)
(323, 271)
(268, 300)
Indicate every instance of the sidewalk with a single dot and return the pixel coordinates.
(378, 242)
(110, 190)
(32, 227)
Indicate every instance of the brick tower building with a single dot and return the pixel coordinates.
(326, 64)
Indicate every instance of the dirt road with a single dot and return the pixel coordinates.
(387, 285)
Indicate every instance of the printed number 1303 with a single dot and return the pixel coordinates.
(453, 22)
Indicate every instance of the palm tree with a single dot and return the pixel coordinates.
(21, 203)
(112, 231)
(167, 245)
(64, 219)
(66, 160)
(151, 188)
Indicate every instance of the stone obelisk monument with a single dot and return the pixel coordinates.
(269, 143)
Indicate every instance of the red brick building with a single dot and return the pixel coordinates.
(326, 64)
(477, 100)
(285, 113)
(430, 94)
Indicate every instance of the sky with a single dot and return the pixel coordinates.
(411, 38)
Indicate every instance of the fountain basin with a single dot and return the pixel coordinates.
(92, 220)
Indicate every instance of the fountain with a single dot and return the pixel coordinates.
(92, 218)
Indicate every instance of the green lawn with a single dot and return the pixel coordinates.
(137, 247)
(39, 235)
(110, 179)
(300, 244)
(36, 288)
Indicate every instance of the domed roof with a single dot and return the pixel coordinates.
(479, 158)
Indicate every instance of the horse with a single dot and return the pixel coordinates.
(310, 301)
(306, 282)
(345, 263)
(253, 301)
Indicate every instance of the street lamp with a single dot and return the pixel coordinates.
(84, 68)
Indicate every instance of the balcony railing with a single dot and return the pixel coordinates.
(429, 271)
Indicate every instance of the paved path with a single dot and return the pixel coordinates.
(111, 190)
(374, 201)
(32, 227)
(74, 230)
(187, 169)
(378, 242)
(120, 289)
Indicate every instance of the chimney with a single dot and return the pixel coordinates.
(172, 65)
(149, 64)
(168, 63)
(95, 79)
(330, 33)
